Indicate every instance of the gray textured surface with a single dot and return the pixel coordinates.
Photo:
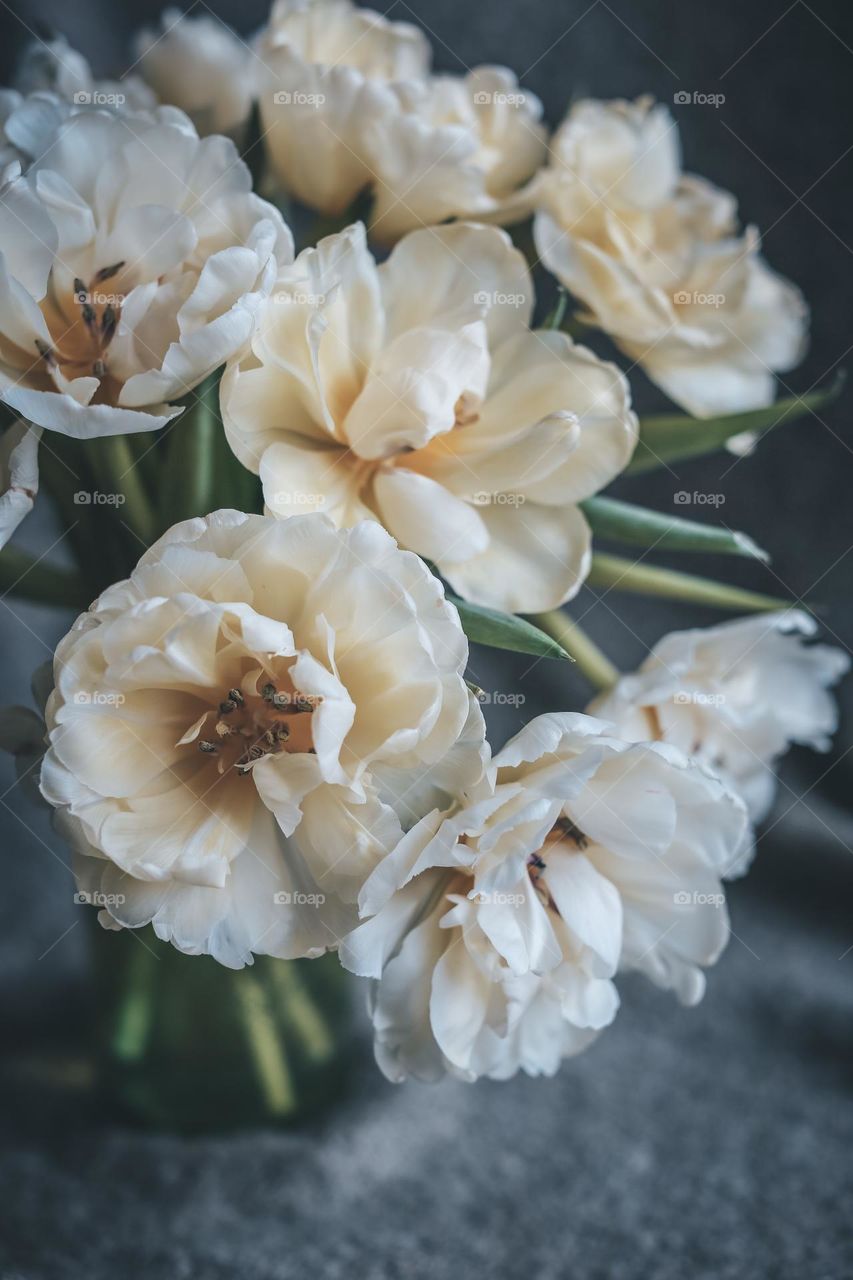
(701, 1145)
(709, 1144)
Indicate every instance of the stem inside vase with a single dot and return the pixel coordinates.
(188, 1045)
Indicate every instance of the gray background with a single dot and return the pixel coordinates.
(712, 1143)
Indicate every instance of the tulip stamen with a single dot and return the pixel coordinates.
(106, 273)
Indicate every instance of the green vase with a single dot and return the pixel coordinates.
(188, 1045)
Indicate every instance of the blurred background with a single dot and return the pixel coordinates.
(713, 1142)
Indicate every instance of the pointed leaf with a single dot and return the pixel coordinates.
(505, 631)
(641, 527)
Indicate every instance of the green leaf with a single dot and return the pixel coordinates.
(675, 437)
(641, 527)
(505, 631)
(650, 580)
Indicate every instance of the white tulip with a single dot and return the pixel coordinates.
(54, 66)
(656, 258)
(240, 731)
(198, 64)
(735, 697)
(466, 148)
(493, 935)
(414, 393)
(326, 71)
(134, 258)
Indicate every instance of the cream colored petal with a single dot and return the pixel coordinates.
(462, 271)
(298, 478)
(413, 388)
(537, 558)
(423, 516)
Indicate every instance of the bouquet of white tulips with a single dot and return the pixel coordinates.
(297, 481)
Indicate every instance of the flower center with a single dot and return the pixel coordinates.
(246, 726)
(82, 326)
(563, 829)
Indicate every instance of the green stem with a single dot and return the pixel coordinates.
(201, 438)
(651, 580)
(118, 469)
(136, 1011)
(266, 1048)
(302, 1011)
(595, 665)
(22, 575)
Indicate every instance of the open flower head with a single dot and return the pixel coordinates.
(415, 393)
(197, 63)
(223, 721)
(735, 696)
(326, 70)
(656, 257)
(467, 147)
(133, 257)
(54, 66)
(493, 935)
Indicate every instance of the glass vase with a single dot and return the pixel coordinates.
(187, 1045)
